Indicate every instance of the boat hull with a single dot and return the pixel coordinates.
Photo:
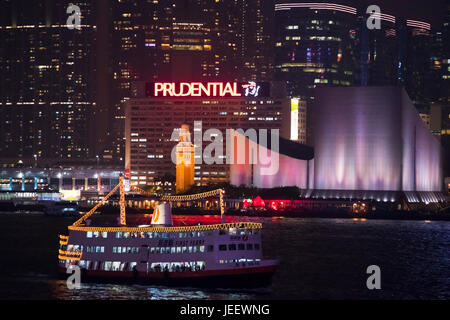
(252, 277)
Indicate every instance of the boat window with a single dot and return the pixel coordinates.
(249, 246)
(241, 246)
(152, 250)
(105, 235)
(126, 235)
(222, 247)
(107, 266)
(131, 266)
(89, 234)
(210, 248)
(190, 249)
(119, 249)
(194, 249)
(95, 234)
(231, 247)
(222, 232)
(178, 249)
(115, 266)
(149, 235)
(114, 249)
(256, 246)
(118, 235)
(163, 250)
(184, 250)
(202, 248)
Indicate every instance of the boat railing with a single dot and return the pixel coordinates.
(205, 227)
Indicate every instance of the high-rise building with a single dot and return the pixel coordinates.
(378, 49)
(169, 40)
(257, 27)
(47, 94)
(314, 46)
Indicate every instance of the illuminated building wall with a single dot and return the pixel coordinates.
(372, 138)
(294, 163)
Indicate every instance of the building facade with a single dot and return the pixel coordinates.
(152, 125)
(47, 95)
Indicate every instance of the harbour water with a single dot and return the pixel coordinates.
(319, 259)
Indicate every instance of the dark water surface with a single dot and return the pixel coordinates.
(320, 259)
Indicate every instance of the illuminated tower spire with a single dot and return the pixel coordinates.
(185, 160)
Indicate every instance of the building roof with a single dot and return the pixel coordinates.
(291, 148)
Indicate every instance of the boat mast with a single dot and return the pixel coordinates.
(123, 220)
(120, 186)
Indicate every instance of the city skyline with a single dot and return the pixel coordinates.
(118, 48)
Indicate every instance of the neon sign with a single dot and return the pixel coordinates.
(207, 89)
(195, 89)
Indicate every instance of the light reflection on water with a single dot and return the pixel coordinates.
(140, 292)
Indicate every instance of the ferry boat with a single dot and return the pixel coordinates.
(220, 255)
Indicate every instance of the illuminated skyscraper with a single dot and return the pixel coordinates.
(47, 95)
(314, 46)
(256, 45)
(168, 40)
